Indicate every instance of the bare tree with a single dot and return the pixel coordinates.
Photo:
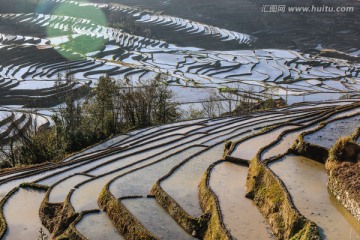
(194, 113)
(8, 151)
(232, 97)
(147, 104)
(42, 235)
(212, 106)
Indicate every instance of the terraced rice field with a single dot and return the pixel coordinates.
(327, 136)
(306, 181)
(155, 218)
(228, 179)
(97, 226)
(33, 66)
(24, 203)
(151, 182)
(14, 122)
(231, 177)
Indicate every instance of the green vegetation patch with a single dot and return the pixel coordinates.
(308, 232)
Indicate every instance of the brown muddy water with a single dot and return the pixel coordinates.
(241, 216)
(306, 181)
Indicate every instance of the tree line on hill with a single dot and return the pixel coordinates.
(114, 108)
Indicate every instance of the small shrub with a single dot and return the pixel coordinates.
(264, 129)
(42, 235)
(227, 147)
(5, 164)
(345, 149)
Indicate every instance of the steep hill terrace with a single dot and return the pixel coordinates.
(171, 173)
